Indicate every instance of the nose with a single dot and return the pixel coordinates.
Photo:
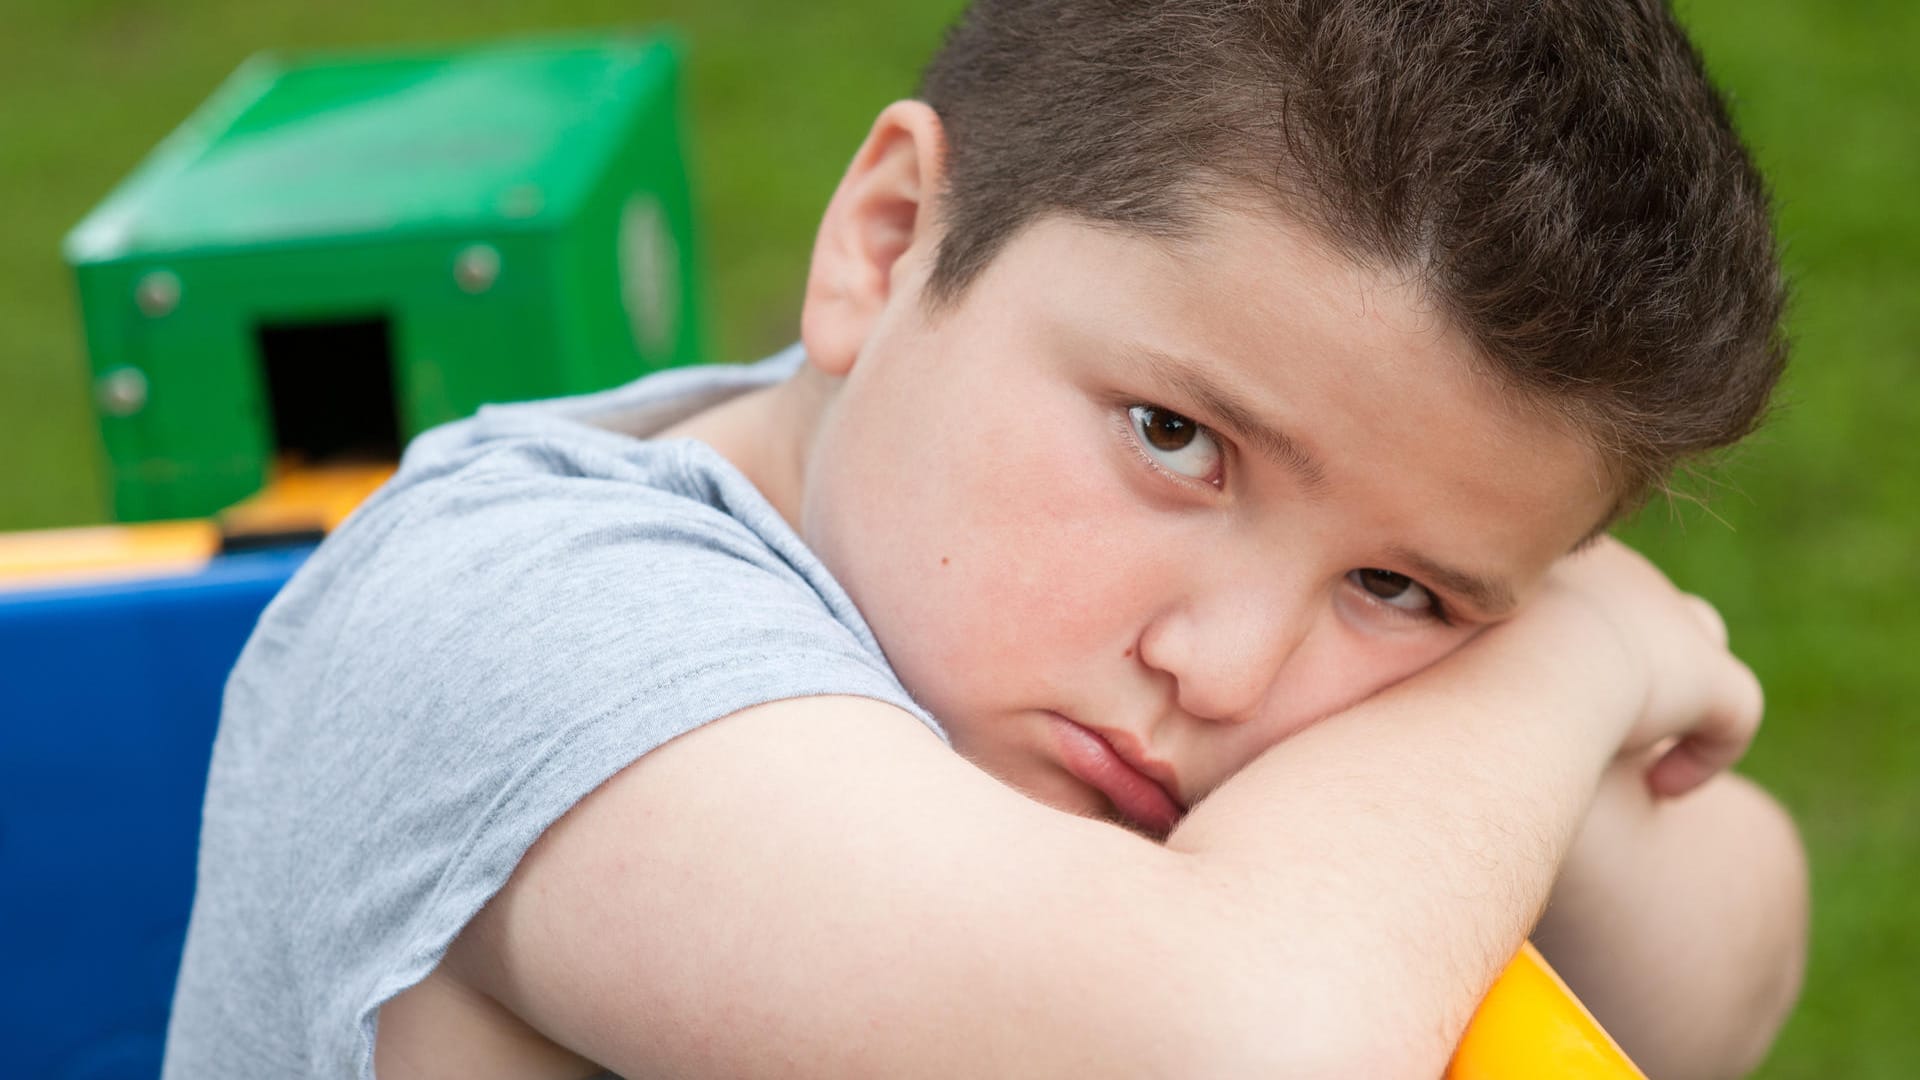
(1225, 650)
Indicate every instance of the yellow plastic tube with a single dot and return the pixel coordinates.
(1531, 1027)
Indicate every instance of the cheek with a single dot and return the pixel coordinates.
(1334, 668)
(993, 568)
(1340, 666)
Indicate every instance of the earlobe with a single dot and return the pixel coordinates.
(877, 228)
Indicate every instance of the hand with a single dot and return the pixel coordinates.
(1700, 705)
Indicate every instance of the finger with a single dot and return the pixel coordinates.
(1683, 768)
(1717, 743)
(1709, 618)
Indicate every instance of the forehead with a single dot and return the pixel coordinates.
(1346, 375)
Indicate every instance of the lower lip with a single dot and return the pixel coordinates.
(1093, 761)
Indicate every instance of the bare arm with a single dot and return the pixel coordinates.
(1682, 923)
(818, 887)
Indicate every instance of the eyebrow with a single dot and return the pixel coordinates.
(1230, 409)
(1492, 597)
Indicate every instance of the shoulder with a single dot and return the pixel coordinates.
(550, 577)
(649, 562)
(589, 558)
(459, 667)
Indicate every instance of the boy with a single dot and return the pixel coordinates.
(1196, 406)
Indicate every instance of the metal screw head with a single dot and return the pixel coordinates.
(522, 201)
(122, 391)
(649, 263)
(476, 268)
(157, 294)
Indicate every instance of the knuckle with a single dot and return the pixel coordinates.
(1709, 618)
(1754, 695)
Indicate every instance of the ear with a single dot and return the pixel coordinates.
(882, 209)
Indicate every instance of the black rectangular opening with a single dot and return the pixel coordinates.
(330, 387)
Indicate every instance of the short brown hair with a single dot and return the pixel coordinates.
(1560, 173)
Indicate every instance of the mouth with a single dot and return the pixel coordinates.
(1130, 781)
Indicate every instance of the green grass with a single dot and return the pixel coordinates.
(1815, 566)
(1810, 552)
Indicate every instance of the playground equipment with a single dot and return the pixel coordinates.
(1531, 1027)
(331, 255)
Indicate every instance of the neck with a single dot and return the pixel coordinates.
(768, 435)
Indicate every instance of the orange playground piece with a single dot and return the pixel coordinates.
(1531, 1027)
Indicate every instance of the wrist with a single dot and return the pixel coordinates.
(1579, 665)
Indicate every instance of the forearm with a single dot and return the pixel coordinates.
(1417, 836)
(1682, 923)
(1306, 925)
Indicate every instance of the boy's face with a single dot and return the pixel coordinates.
(1188, 497)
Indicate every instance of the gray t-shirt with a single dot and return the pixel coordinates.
(537, 599)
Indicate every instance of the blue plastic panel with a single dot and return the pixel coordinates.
(109, 697)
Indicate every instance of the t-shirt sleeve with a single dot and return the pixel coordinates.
(512, 640)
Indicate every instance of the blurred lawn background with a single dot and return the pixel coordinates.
(1810, 549)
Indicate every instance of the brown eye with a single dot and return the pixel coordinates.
(1167, 431)
(1384, 584)
(1397, 591)
(1177, 444)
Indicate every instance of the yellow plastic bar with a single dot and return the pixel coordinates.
(1531, 1027)
(298, 499)
(71, 556)
(310, 497)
